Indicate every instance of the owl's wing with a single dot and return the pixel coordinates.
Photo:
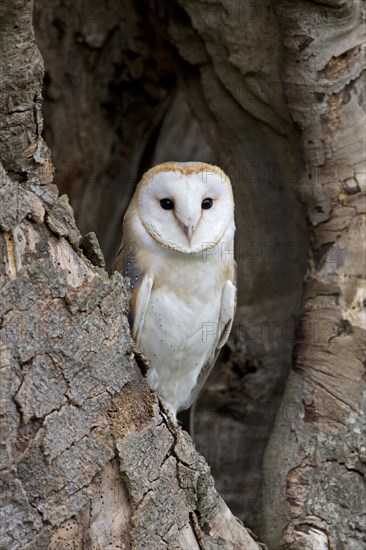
(227, 312)
(140, 300)
(140, 284)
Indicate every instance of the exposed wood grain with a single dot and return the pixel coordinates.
(316, 457)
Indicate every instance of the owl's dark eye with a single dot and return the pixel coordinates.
(206, 203)
(167, 204)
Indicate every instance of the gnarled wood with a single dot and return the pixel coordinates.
(316, 457)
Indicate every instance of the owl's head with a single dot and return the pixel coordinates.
(186, 206)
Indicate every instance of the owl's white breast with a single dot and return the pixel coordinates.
(185, 301)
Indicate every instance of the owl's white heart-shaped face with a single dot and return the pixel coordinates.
(187, 207)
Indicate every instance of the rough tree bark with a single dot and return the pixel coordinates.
(88, 457)
(315, 463)
(229, 58)
(114, 105)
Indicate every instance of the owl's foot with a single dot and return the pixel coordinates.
(141, 360)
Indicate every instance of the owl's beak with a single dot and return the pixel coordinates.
(188, 230)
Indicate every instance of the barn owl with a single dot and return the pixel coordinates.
(177, 250)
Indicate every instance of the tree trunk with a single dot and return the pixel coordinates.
(315, 463)
(89, 458)
(272, 92)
